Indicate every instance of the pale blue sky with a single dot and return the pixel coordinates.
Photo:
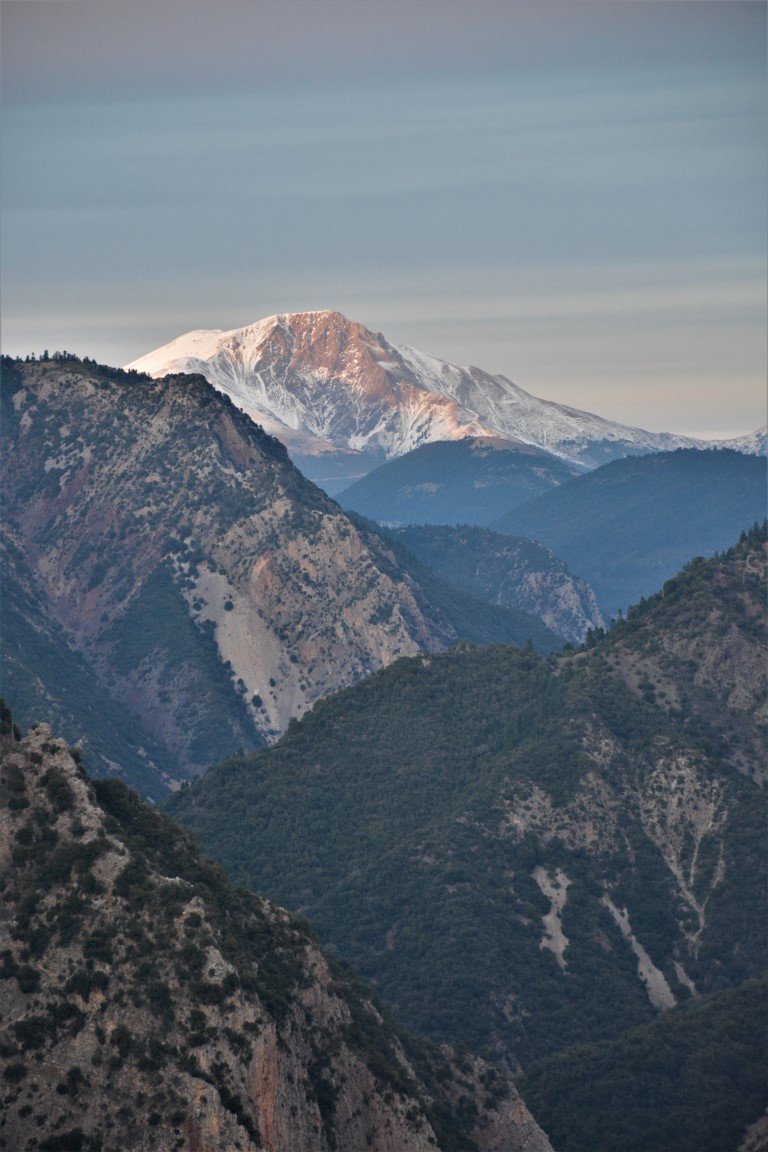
(572, 193)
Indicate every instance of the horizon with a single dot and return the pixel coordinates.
(571, 195)
(704, 436)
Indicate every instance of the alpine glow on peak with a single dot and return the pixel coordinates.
(323, 383)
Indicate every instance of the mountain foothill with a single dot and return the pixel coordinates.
(465, 694)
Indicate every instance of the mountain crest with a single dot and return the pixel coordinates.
(319, 375)
(323, 383)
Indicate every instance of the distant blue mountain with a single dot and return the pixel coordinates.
(458, 482)
(629, 526)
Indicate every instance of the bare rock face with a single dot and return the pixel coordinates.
(756, 1139)
(212, 592)
(146, 1004)
(699, 646)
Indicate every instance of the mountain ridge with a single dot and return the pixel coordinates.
(543, 852)
(633, 523)
(314, 377)
(469, 481)
(213, 591)
(147, 1004)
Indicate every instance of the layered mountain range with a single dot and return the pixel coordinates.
(327, 386)
(164, 555)
(456, 482)
(629, 526)
(554, 857)
(146, 1004)
(541, 852)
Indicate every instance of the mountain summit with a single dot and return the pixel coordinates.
(321, 382)
(324, 384)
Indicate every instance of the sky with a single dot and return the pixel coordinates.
(570, 193)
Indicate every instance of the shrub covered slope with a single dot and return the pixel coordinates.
(523, 853)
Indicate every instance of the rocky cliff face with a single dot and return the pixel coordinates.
(212, 591)
(698, 648)
(147, 1005)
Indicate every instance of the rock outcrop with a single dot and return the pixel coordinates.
(508, 570)
(699, 647)
(147, 1005)
(207, 589)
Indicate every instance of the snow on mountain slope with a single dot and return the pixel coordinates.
(753, 444)
(319, 381)
(579, 437)
(322, 383)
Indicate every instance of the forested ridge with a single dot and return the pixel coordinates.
(691, 1081)
(631, 524)
(416, 817)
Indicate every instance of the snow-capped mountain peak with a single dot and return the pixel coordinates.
(320, 375)
(324, 384)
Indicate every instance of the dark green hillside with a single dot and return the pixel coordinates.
(407, 817)
(691, 1081)
(420, 820)
(46, 677)
(455, 482)
(629, 526)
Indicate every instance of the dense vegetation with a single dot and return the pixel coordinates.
(629, 526)
(407, 816)
(455, 482)
(691, 1081)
